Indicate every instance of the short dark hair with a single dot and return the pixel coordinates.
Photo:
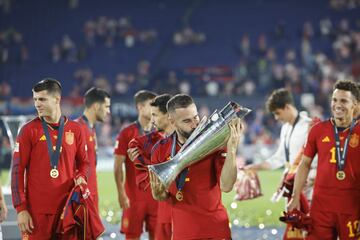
(348, 85)
(95, 95)
(278, 99)
(143, 95)
(160, 102)
(49, 84)
(179, 101)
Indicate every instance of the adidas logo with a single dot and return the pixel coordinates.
(43, 138)
(326, 139)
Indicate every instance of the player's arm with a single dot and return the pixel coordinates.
(21, 159)
(229, 170)
(158, 190)
(300, 179)
(274, 161)
(82, 161)
(119, 161)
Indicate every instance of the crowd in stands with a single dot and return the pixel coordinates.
(12, 47)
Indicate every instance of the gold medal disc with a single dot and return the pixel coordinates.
(179, 196)
(54, 173)
(340, 175)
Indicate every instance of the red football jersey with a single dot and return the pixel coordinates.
(331, 194)
(144, 144)
(32, 187)
(121, 147)
(90, 136)
(201, 214)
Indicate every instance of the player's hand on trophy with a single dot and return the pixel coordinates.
(3, 210)
(123, 201)
(133, 153)
(294, 203)
(25, 222)
(158, 189)
(236, 128)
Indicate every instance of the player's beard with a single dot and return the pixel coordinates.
(185, 134)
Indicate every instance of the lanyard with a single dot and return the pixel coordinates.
(180, 181)
(287, 146)
(54, 155)
(341, 155)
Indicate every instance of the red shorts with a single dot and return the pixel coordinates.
(329, 226)
(163, 231)
(134, 217)
(45, 228)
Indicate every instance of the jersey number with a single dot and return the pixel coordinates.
(353, 227)
(333, 155)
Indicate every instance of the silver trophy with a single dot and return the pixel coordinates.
(210, 135)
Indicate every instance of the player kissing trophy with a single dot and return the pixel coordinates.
(210, 135)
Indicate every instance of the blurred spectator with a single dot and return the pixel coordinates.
(188, 36)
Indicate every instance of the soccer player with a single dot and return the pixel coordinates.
(293, 134)
(49, 157)
(142, 157)
(97, 107)
(133, 201)
(335, 208)
(195, 197)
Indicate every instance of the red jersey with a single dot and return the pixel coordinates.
(144, 144)
(32, 187)
(331, 194)
(201, 213)
(90, 136)
(121, 147)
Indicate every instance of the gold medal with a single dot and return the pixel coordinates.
(54, 173)
(340, 175)
(179, 196)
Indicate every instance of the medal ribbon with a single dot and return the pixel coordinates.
(341, 155)
(287, 146)
(54, 155)
(180, 181)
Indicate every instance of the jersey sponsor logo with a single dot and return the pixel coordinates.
(16, 148)
(325, 139)
(354, 140)
(42, 138)
(69, 138)
(91, 139)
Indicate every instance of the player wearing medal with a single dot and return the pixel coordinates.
(97, 107)
(141, 149)
(138, 206)
(195, 196)
(335, 208)
(50, 153)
